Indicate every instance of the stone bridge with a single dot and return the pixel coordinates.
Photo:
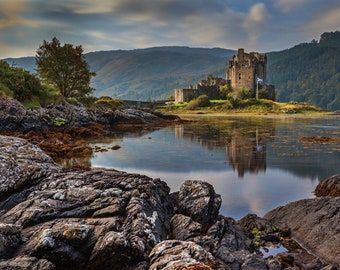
(143, 104)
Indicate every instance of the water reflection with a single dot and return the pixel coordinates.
(245, 144)
(74, 162)
(247, 154)
(275, 166)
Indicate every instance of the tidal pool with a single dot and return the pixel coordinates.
(255, 163)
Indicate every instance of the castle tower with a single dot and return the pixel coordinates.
(245, 68)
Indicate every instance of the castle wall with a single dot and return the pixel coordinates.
(184, 94)
(209, 87)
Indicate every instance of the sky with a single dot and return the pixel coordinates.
(264, 26)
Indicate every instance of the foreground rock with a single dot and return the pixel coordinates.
(77, 219)
(52, 218)
(313, 222)
(174, 254)
(329, 187)
(22, 167)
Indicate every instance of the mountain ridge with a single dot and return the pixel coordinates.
(307, 72)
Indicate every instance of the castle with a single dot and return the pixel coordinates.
(246, 70)
(209, 87)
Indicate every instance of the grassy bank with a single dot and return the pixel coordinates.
(248, 107)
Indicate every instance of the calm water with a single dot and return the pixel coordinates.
(256, 164)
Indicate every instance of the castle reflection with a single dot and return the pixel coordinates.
(247, 154)
(245, 145)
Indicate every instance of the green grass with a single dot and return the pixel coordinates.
(252, 106)
(31, 104)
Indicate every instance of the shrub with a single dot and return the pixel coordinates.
(264, 94)
(223, 91)
(226, 105)
(58, 121)
(88, 101)
(239, 94)
(192, 105)
(49, 95)
(5, 91)
(112, 103)
(72, 100)
(203, 101)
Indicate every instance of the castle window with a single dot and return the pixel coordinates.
(239, 76)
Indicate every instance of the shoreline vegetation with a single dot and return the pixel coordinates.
(251, 107)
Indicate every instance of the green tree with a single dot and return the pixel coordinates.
(224, 91)
(65, 68)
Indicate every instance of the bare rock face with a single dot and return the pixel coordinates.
(93, 218)
(11, 114)
(26, 263)
(22, 166)
(173, 254)
(16, 118)
(254, 262)
(329, 187)
(76, 219)
(225, 240)
(198, 200)
(183, 227)
(132, 115)
(313, 222)
(9, 240)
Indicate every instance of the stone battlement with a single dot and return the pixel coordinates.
(245, 69)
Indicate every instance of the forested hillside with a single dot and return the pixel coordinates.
(153, 73)
(308, 72)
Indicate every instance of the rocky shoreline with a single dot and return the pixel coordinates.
(82, 218)
(62, 129)
(55, 218)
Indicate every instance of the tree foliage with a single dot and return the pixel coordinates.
(18, 83)
(64, 66)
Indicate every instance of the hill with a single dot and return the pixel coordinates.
(308, 72)
(151, 73)
(155, 72)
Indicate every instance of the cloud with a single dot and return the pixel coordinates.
(11, 14)
(288, 5)
(5, 47)
(168, 10)
(328, 20)
(88, 6)
(10, 50)
(255, 23)
(127, 24)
